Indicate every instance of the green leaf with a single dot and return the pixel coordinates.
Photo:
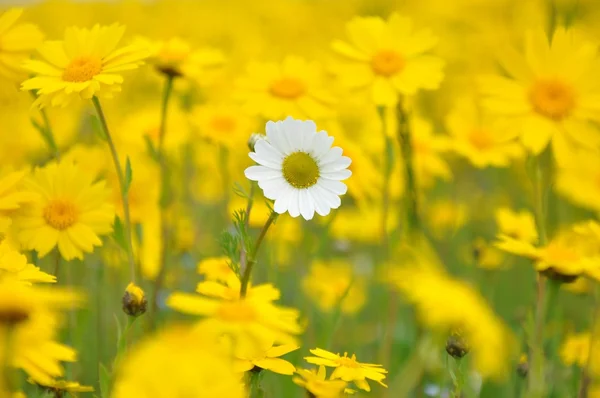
(104, 377)
(128, 175)
(152, 151)
(119, 233)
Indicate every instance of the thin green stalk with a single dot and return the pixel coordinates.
(45, 131)
(458, 378)
(536, 387)
(165, 196)
(387, 172)
(249, 205)
(252, 257)
(122, 186)
(587, 371)
(8, 373)
(412, 222)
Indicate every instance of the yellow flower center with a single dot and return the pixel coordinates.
(82, 69)
(481, 140)
(60, 214)
(287, 88)
(552, 98)
(387, 63)
(300, 170)
(237, 311)
(223, 124)
(347, 362)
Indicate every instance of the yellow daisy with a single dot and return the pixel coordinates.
(550, 93)
(264, 356)
(575, 349)
(216, 269)
(62, 387)
(223, 124)
(578, 181)
(295, 88)
(427, 150)
(17, 41)
(478, 139)
(316, 384)
(15, 265)
(388, 58)
(12, 192)
(518, 225)
(86, 63)
(70, 212)
(348, 368)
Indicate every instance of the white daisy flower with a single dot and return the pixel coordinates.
(299, 169)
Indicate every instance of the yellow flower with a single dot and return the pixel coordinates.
(361, 225)
(264, 356)
(12, 193)
(388, 58)
(550, 93)
(216, 269)
(14, 265)
(445, 217)
(175, 57)
(568, 255)
(575, 349)
(579, 180)
(333, 285)
(486, 255)
(223, 124)
(445, 304)
(478, 139)
(70, 212)
(17, 41)
(295, 88)
(316, 384)
(348, 368)
(518, 225)
(86, 64)
(427, 150)
(134, 300)
(61, 387)
(201, 371)
(246, 320)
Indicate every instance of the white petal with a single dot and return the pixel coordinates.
(305, 201)
(276, 137)
(337, 187)
(321, 144)
(329, 198)
(281, 203)
(293, 205)
(258, 173)
(333, 155)
(320, 206)
(337, 175)
(273, 188)
(265, 162)
(267, 151)
(340, 164)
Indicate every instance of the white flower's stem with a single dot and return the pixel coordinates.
(252, 256)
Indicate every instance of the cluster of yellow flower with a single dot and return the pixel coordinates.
(224, 139)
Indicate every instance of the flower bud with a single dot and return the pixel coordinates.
(523, 366)
(457, 346)
(134, 300)
(254, 139)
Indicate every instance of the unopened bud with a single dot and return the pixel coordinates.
(134, 300)
(254, 139)
(457, 346)
(523, 366)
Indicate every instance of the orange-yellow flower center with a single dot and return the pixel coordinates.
(237, 311)
(287, 88)
(300, 170)
(481, 140)
(552, 98)
(387, 63)
(82, 69)
(347, 362)
(223, 124)
(60, 214)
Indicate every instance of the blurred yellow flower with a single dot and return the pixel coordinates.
(223, 124)
(13, 194)
(575, 350)
(478, 139)
(550, 94)
(201, 371)
(62, 387)
(295, 87)
(445, 304)
(334, 284)
(579, 181)
(14, 265)
(264, 356)
(17, 41)
(387, 58)
(86, 64)
(486, 255)
(71, 211)
(428, 149)
(518, 225)
(445, 217)
(216, 269)
(315, 383)
(348, 368)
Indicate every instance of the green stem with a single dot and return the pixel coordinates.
(122, 185)
(45, 131)
(252, 258)
(387, 172)
(458, 378)
(412, 222)
(249, 205)
(9, 376)
(165, 196)
(536, 384)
